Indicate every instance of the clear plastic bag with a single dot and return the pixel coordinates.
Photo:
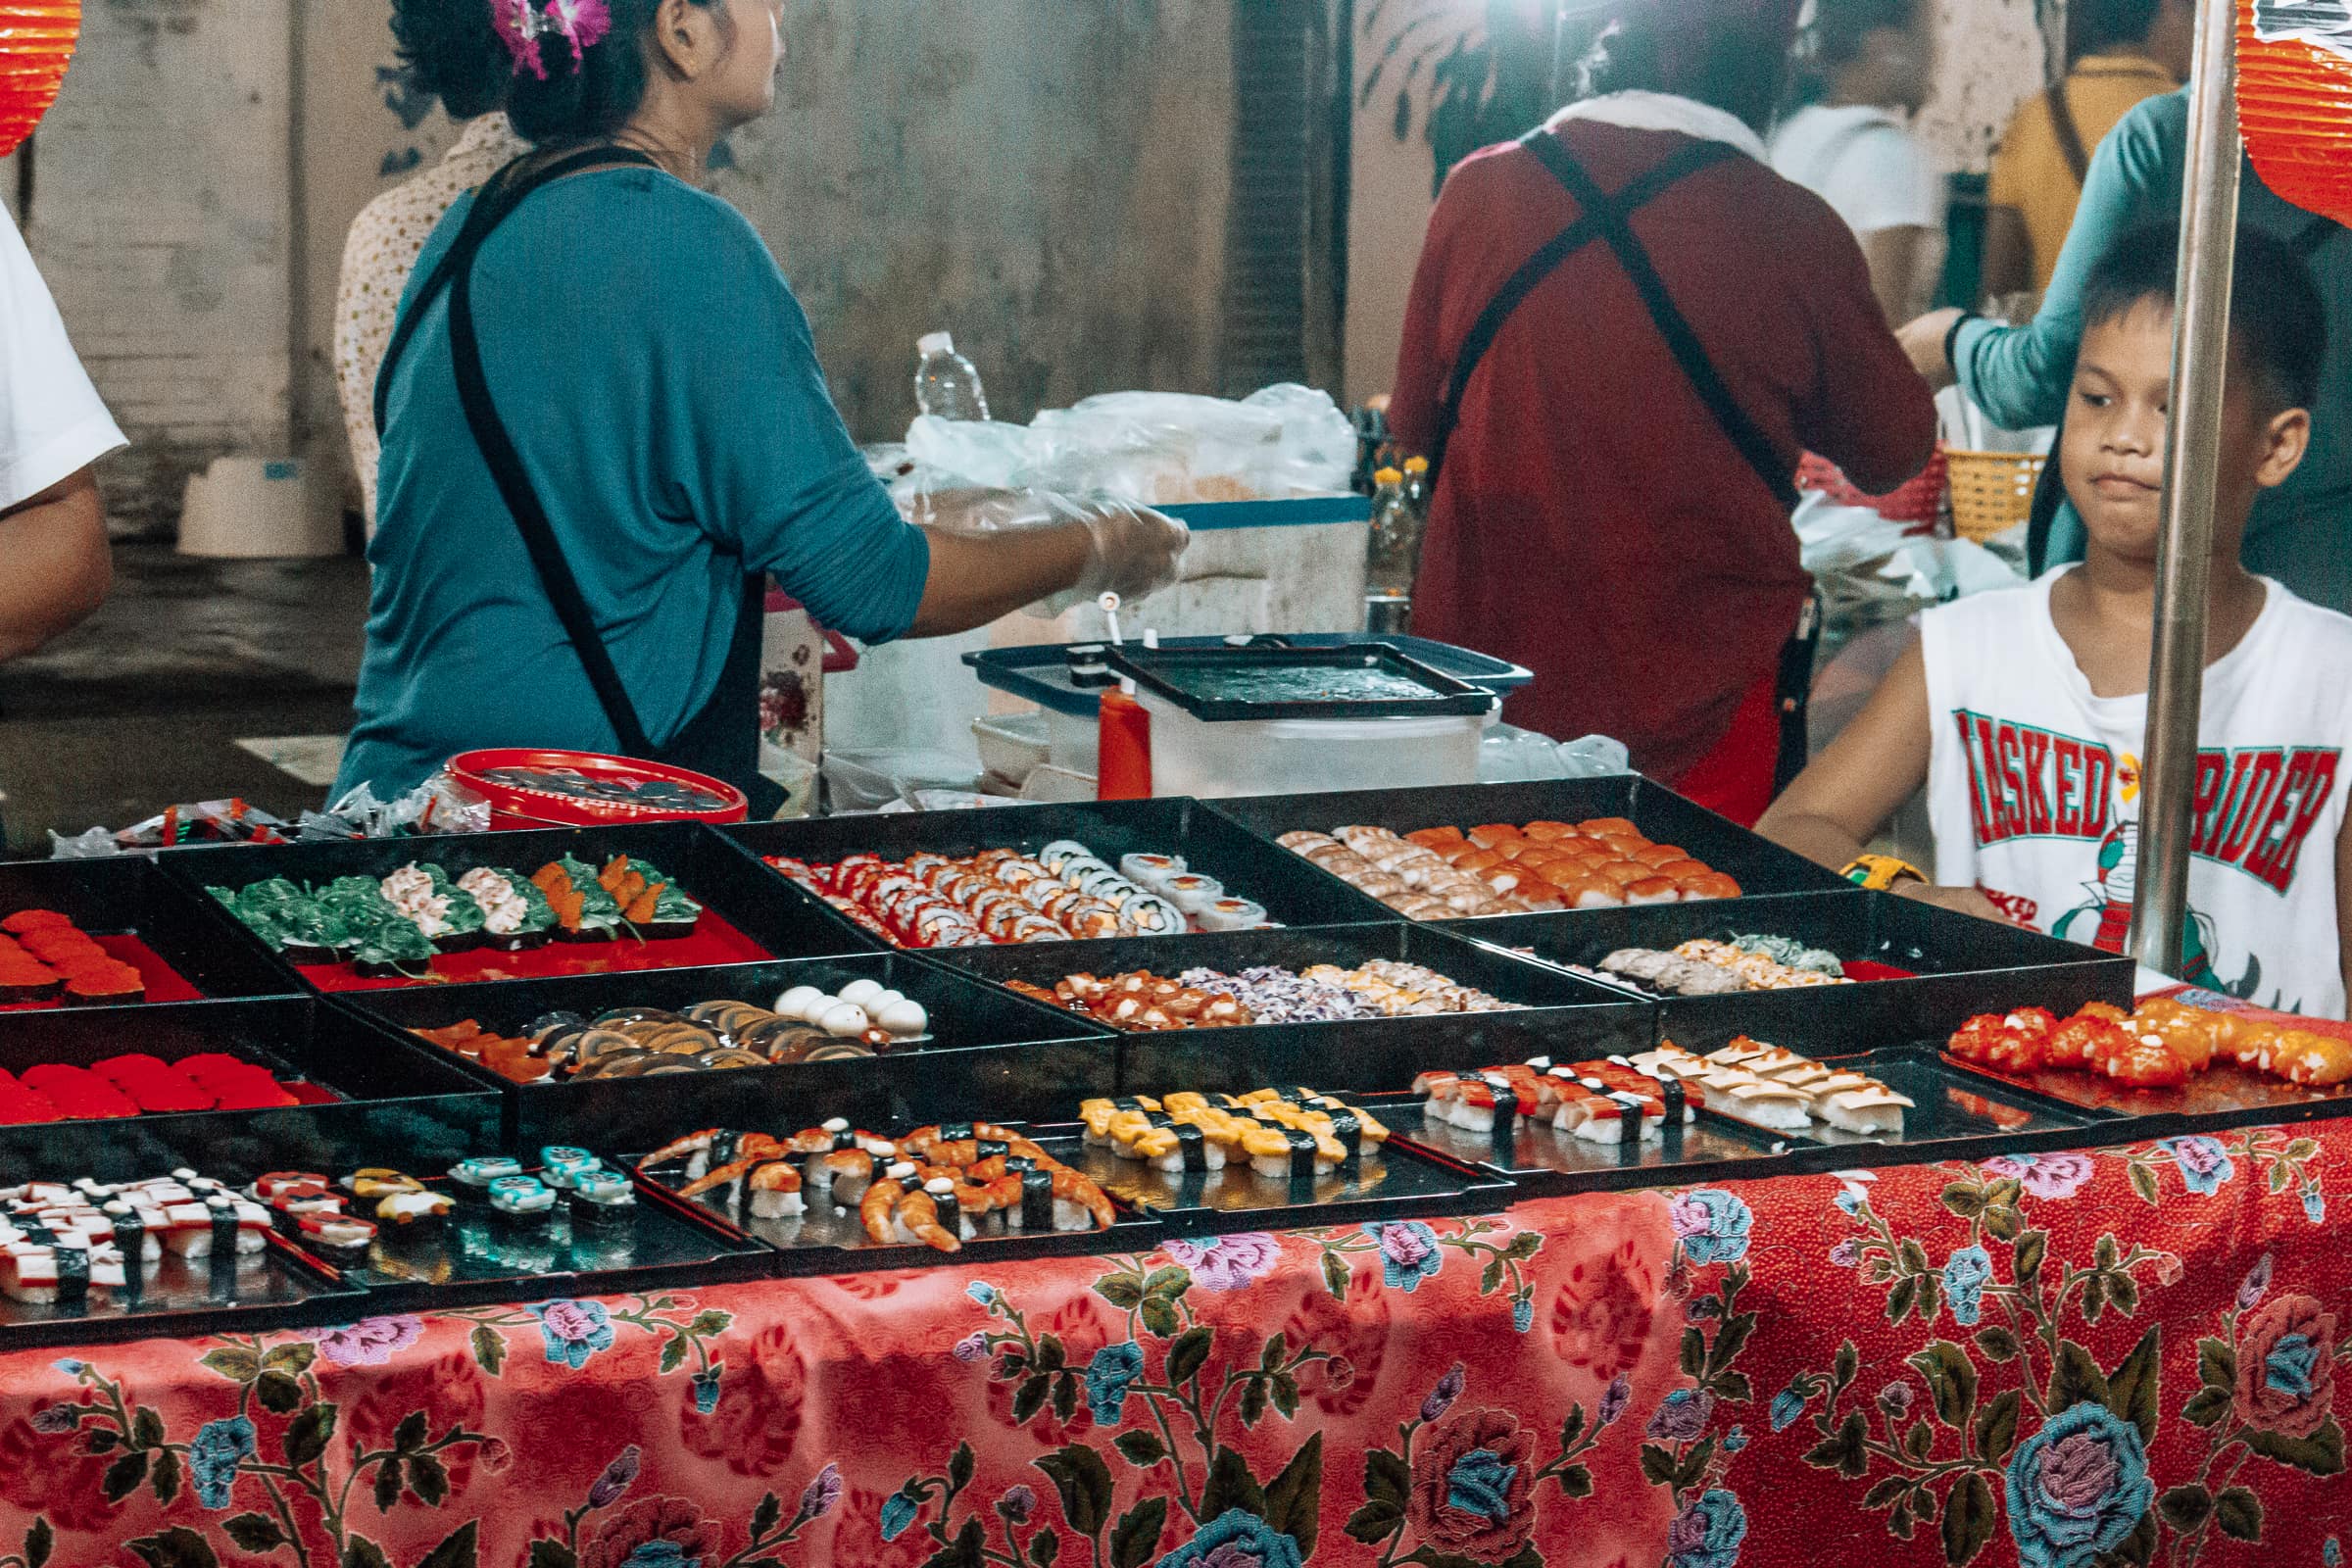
(1158, 448)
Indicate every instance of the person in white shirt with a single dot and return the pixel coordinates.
(55, 566)
(2024, 712)
(451, 51)
(1870, 65)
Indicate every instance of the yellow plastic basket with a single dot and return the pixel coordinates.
(1992, 492)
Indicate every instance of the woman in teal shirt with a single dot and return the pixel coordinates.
(2300, 533)
(654, 378)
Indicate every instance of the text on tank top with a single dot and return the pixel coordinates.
(2034, 789)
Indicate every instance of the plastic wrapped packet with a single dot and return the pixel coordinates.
(97, 844)
(1509, 755)
(229, 821)
(1170, 448)
(439, 805)
(1158, 448)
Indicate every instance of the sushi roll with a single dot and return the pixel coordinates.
(336, 1232)
(604, 1197)
(218, 1226)
(1290, 1153)
(1151, 872)
(1768, 1105)
(476, 1178)
(58, 1270)
(1232, 914)
(267, 1187)
(1176, 1147)
(1193, 893)
(1871, 1112)
(521, 1198)
(1487, 1104)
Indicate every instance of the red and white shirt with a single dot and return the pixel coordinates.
(2034, 789)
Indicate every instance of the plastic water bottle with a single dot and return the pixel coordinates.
(1416, 486)
(1388, 566)
(946, 385)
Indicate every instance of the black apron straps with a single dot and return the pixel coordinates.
(1589, 226)
(721, 739)
(1776, 472)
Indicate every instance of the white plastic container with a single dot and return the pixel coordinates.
(1296, 756)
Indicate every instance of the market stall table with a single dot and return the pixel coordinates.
(2041, 1358)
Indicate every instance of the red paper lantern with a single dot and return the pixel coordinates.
(2295, 100)
(37, 44)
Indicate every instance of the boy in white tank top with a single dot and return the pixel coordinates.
(2024, 712)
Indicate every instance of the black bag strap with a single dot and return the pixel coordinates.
(2068, 132)
(499, 196)
(1638, 192)
(1775, 470)
(493, 206)
(2313, 237)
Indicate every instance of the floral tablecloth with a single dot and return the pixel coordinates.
(2119, 1356)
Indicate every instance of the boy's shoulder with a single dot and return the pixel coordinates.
(1980, 614)
(2313, 636)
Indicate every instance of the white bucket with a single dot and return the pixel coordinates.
(256, 508)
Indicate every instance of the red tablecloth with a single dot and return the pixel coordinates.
(2131, 1351)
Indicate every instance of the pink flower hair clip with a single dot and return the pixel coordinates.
(522, 23)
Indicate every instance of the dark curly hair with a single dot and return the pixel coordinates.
(595, 100)
(1740, 65)
(449, 49)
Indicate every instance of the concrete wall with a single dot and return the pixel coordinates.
(161, 214)
(1992, 57)
(1047, 179)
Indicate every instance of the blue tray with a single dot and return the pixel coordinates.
(1042, 674)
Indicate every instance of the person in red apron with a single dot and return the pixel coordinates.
(1624, 331)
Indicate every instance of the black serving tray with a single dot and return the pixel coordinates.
(998, 1056)
(1564, 1014)
(209, 948)
(1403, 1181)
(1042, 674)
(1961, 965)
(1174, 673)
(281, 1287)
(781, 919)
(1959, 1115)
(829, 1240)
(476, 1256)
(390, 1092)
(1545, 1163)
(1758, 865)
(1293, 890)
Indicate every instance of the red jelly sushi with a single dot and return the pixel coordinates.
(27, 982)
(21, 1106)
(79, 1094)
(153, 1085)
(24, 920)
(108, 983)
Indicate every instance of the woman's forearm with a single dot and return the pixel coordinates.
(977, 577)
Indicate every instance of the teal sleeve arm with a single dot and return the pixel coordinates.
(772, 471)
(2019, 375)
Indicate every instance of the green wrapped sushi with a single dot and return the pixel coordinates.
(600, 916)
(515, 914)
(395, 948)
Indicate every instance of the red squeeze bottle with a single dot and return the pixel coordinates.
(1124, 730)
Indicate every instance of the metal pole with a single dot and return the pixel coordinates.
(2200, 352)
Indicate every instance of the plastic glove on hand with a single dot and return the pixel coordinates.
(1137, 551)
